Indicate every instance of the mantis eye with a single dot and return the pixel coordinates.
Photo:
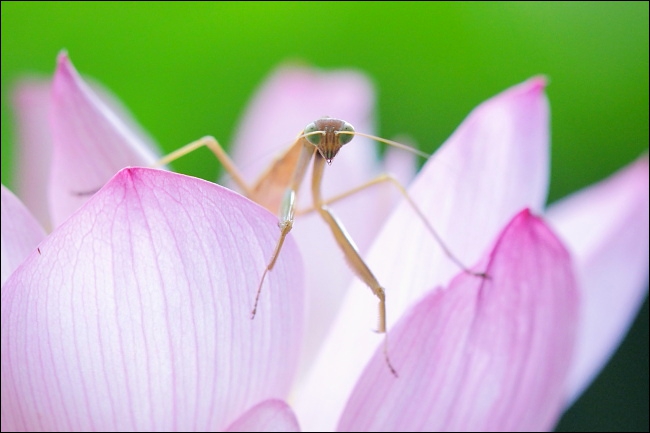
(346, 134)
(313, 138)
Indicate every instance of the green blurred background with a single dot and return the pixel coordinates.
(188, 69)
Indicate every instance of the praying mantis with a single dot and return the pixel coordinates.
(277, 188)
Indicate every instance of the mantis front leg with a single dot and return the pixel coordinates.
(287, 212)
(350, 250)
(218, 151)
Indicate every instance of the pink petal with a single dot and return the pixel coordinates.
(270, 415)
(20, 233)
(136, 316)
(91, 143)
(32, 104)
(606, 229)
(495, 164)
(483, 355)
(288, 101)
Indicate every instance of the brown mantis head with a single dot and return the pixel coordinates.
(329, 135)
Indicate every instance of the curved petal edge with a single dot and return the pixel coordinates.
(268, 416)
(20, 233)
(606, 229)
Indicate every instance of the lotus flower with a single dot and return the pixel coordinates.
(133, 313)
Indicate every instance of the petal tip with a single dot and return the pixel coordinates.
(527, 222)
(525, 213)
(62, 57)
(65, 72)
(128, 175)
(64, 66)
(525, 217)
(538, 82)
(534, 86)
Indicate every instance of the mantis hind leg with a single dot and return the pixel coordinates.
(387, 178)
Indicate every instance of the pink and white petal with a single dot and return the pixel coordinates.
(268, 416)
(91, 143)
(136, 316)
(494, 164)
(606, 229)
(482, 355)
(290, 99)
(20, 233)
(32, 101)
